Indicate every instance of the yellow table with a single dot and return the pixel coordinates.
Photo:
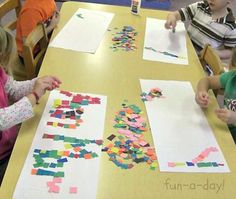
(116, 75)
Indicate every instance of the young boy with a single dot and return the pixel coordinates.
(228, 82)
(211, 22)
(33, 12)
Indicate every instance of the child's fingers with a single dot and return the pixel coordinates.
(167, 25)
(202, 99)
(222, 114)
(56, 80)
(220, 111)
(52, 80)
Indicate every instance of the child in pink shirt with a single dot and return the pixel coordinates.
(25, 94)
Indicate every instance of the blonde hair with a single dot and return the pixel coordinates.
(7, 48)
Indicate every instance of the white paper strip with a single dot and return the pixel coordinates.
(84, 31)
(180, 130)
(79, 172)
(163, 45)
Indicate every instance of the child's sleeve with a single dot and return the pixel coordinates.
(189, 11)
(18, 89)
(28, 20)
(224, 77)
(230, 38)
(15, 114)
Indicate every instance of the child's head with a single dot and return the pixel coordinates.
(219, 5)
(7, 47)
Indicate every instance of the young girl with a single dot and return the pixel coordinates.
(25, 93)
(227, 81)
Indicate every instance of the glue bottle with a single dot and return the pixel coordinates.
(135, 6)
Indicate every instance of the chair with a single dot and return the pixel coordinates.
(6, 7)
(37, 39)
(209, 58)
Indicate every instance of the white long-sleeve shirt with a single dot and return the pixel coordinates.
(14, 114)
(20, 110)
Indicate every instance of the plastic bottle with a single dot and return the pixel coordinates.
(135, 6)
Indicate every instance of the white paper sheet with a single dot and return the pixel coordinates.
(80, 172)
(180, 129)
(84, 31)
(159, 40)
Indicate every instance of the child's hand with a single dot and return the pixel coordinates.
(202, 99)
(171, 21)
(226, 115)
(45, 83)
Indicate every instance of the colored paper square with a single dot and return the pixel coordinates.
(111, 137)
(55, 124)
(65, 102)
(57, 180)
(190, 164)
(68, 146)
(171, 164)
(88, 156)
(66, 126)
(54, 189)
(73, 189)
(76, 149)
(72, 126)
(50, 183)
(49, 123)
(34, 171)
(66, 153)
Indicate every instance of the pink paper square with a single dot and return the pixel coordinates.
(57, 180)
(73, 189)
(54, 189)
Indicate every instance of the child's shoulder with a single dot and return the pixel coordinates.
(230, 19)
(231, 73)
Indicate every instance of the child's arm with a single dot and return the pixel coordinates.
(15, 114)
(23, 109)
(43, 84)
(18, 89)
(224, 53)
(206, 83)
(172, 19)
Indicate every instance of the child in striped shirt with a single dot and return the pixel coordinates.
(211, 22)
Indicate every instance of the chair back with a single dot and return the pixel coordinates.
(37, 39)
(209, 57)
(6, 7)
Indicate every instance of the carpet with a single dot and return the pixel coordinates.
(153, 4)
